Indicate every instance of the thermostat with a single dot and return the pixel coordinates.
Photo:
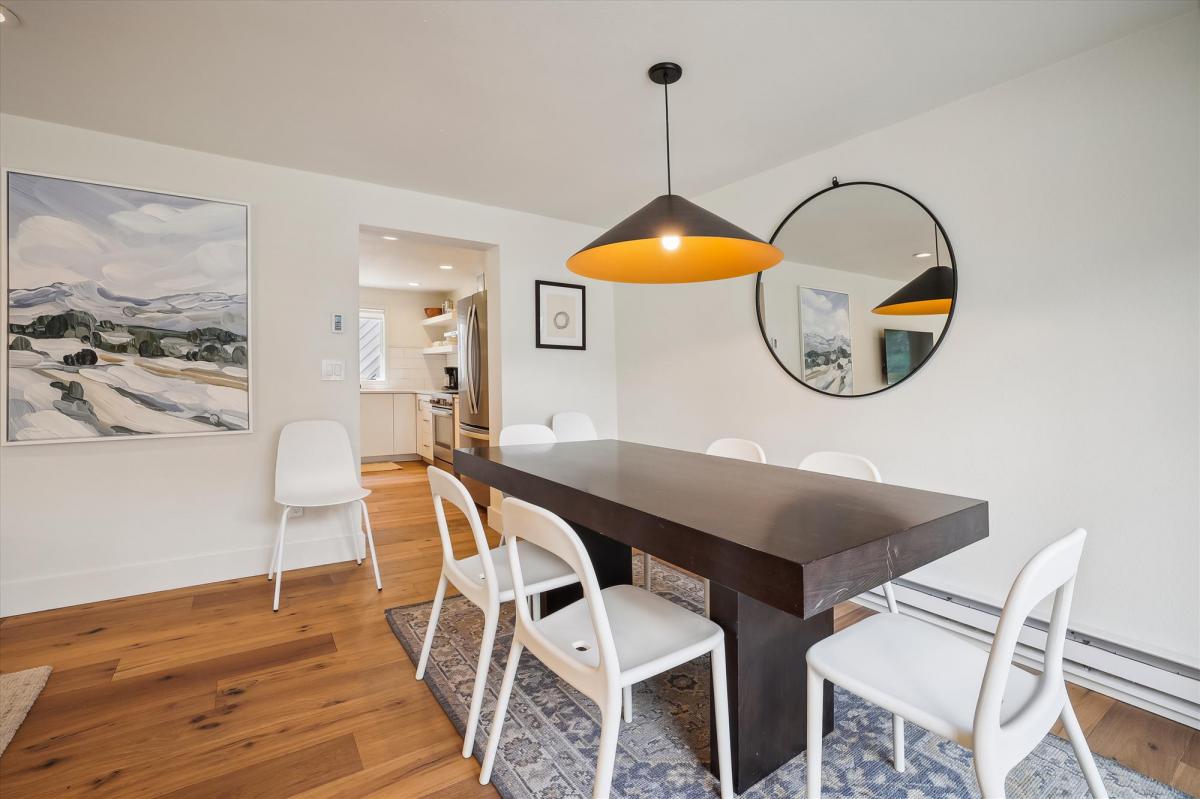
(335, 323)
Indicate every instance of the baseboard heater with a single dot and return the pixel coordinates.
(1147, 681)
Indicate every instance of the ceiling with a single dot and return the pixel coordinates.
(406, 258)
(870, 230)
(543, 107)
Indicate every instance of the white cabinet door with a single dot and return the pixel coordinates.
(424, 428)
(404, 424)
(376, 424)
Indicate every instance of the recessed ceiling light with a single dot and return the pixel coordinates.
(391, 238)
(414, 284)
(922, 254)
(7, 17)
(447, 267)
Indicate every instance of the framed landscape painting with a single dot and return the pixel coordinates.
(127, 313)
(825, 340)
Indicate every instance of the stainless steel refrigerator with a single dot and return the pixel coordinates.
(473, 427)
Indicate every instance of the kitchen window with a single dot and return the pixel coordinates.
(372, 346)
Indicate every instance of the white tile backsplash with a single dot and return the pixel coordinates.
(408, 367)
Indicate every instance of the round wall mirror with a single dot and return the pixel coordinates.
(865, 291)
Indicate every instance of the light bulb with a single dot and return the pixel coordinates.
(922, 255)
(670, 242)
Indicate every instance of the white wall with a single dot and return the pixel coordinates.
(1066, 392)
(82, 522)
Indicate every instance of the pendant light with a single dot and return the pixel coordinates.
(930, 292)
(672, 240)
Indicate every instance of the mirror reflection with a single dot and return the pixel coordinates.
(864, 293)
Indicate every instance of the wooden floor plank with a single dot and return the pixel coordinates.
(203, 691)
(283, 776)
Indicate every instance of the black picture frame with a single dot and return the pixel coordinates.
(759, 298)
(537, 315)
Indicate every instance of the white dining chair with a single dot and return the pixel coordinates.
(484, 579)
(573, 426)
(315, 468)
(955, 689)
(515, 434)
(603, 643)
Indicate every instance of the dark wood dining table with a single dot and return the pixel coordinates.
(780, 547)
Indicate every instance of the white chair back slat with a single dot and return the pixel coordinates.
(739, 448)
(314, 455)
(517, 434)
(573, 426)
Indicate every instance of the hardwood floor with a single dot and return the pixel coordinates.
(204, 692)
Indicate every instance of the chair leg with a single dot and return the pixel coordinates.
(606, 752)
(898, 742)
(535, 607)
(481, 670)
(506, 685)
(1087, 764)
(627, 703)
(278, 538)
(371, 543)
(707, 601)
(433, 620)
(646, 559)
(279, 560)
(720, 693)
(816, 702)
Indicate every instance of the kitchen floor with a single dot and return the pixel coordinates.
(202, 692)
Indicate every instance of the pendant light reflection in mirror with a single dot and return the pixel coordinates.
(672, 240)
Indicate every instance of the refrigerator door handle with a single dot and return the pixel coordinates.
(469, 362)
(476, 358)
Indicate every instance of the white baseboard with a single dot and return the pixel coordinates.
(1145, 681)
(64, 590)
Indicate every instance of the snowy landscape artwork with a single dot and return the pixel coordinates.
(825, 340)
(127, 313)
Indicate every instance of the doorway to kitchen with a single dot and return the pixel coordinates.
(422, 348)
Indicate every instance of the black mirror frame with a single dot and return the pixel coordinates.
(758, 288)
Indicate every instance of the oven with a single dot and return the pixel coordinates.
(443, 432)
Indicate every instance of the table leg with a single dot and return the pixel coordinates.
(764, 655)
(612, 561)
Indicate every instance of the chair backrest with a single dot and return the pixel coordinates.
(539, 526)
(526, 434)
(738, 448)
(1052, 570)
(844, 464)
(841, 464)
(448, 488)
(314, 455)
(573, 426)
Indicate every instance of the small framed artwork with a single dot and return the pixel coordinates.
(560, 313)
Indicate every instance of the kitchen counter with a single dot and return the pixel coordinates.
(425, 391)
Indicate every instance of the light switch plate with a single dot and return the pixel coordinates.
(333, 370)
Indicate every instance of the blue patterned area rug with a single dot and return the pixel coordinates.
(549, 745)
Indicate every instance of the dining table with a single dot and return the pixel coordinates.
(779, 546)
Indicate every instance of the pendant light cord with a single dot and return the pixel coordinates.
(667, 115)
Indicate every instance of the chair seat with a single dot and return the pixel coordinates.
(651, 634)
(923, 673)
(321, 496)
(541, 570)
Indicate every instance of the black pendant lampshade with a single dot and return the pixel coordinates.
(670, 239)
(931, 292)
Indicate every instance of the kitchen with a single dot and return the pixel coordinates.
(422, 349)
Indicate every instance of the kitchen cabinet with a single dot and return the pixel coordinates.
(377, 424)
(424, 420)
(388, 424)
(404, 424)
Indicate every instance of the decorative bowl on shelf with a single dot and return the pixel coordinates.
(432, 312)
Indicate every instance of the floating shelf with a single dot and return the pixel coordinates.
(445, 350)
(442, 320)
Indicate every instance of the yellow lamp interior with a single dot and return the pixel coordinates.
(695, 259)
(918, 308)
